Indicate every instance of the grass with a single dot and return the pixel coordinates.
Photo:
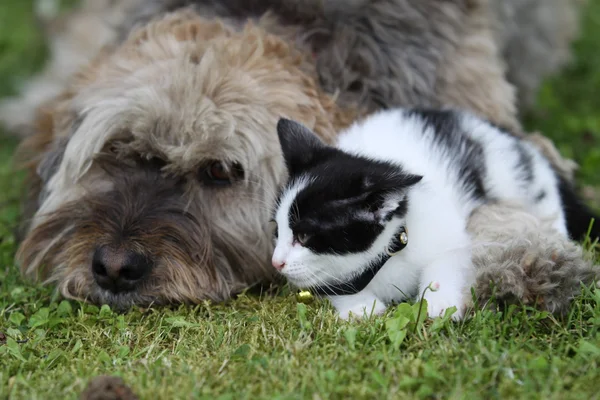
(274, 347)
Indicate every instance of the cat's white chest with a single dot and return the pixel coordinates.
(398, 279)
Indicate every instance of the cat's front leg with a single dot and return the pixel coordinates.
(452, 273)
(360, 305)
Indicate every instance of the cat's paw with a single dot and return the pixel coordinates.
(439, 302)
(362, 312)
(348, 310)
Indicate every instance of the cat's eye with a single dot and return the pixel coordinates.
(216, 173)
(273, 227)
(302, 238)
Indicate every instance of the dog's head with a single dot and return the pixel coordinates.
(164, 164)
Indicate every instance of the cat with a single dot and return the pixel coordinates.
(381, 216)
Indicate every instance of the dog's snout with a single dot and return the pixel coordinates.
(119, 270)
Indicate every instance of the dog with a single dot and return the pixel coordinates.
(163, 161)
(163, 195)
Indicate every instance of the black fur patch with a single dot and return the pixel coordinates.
(466, 153)
(524, 164)
(577, 213)
(540, 196)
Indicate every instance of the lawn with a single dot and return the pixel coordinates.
(274, 347)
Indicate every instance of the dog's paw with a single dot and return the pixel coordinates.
(541, 271)
(439, 302)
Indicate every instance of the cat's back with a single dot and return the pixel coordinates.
(450, 148)
(428, 142)
(395, 135)
(454, 150)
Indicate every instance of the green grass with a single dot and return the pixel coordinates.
(276, 348)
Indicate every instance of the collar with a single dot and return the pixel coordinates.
(398, 243)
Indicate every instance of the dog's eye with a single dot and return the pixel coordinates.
(158, 163)
(217, 174)
(302, 238)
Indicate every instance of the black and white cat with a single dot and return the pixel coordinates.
(382, 215)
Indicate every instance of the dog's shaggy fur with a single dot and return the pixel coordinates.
(387, 52)
(119, 160)
(521, 259)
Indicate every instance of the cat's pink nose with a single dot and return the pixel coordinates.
(277, 264)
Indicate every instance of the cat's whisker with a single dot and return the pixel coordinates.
(345, 284)
(334, 278)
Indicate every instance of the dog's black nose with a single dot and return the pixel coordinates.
(119, 270)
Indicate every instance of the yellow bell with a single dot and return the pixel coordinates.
(304, 296)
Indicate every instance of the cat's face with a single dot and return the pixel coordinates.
(338, 211)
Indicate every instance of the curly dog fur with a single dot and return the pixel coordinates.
(170, 93)
(533, 37)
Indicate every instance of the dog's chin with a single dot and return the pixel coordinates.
(123, 301)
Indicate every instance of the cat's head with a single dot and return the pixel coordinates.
(338, 211)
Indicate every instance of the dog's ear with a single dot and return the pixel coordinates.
(298, 143)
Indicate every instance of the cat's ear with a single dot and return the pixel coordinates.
(298, 144)
(388, 196)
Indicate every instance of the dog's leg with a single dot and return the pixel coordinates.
(519, 258)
